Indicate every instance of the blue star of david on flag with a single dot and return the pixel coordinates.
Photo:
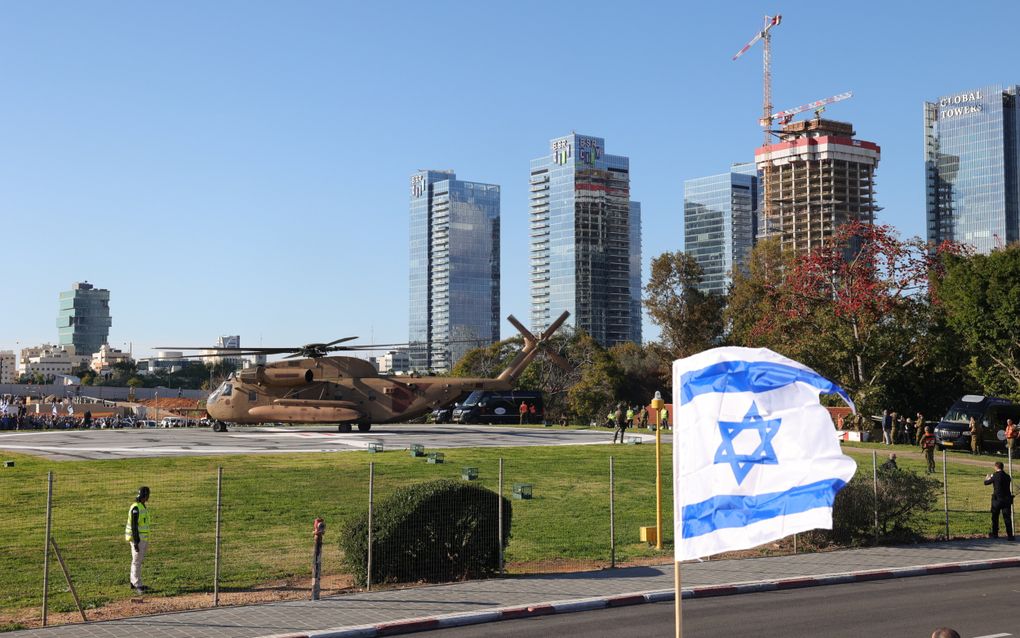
(764, 454)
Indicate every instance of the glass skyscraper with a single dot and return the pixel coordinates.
(719, 224)
(83, 319)
(971, 158)
(585, 240)
(454, 243)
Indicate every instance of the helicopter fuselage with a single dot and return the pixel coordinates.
(334, 390)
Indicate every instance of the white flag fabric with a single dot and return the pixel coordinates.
(755, 457)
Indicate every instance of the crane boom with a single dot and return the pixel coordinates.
(771, 21)
(789, 113)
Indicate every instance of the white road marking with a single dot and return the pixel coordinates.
(994, 636)
(318, 435)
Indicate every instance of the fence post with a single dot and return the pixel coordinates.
(499, 518)
(612, 515)
(874, 479)
(1009, 453)
(216, 560)
(371, 504)
(945, 490)
(46, 546)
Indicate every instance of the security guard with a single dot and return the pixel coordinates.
(136, 532)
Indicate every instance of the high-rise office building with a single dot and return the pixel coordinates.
(84, 318)
(971, 164)
(719, 224)
(816, 178)
(581, 240)
(635, 271)
(454, 243)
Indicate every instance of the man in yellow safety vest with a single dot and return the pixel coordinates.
(136, 532)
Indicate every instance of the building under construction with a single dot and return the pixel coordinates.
(816, 178)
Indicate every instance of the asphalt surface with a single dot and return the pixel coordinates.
(728, 582)
(131, 443)
(975, 604)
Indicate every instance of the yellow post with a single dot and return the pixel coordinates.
(657, 405)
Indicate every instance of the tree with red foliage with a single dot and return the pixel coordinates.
(857, 310)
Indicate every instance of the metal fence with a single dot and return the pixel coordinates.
(241, 530)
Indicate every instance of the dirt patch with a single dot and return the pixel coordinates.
(291, 589)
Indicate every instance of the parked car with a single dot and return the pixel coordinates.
(494, 407)
(953, 431)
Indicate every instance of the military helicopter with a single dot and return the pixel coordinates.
(346, 390)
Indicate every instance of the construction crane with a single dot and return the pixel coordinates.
(784, 117)
(766, 37)
(766, 118)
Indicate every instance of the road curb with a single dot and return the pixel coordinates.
(638, 598)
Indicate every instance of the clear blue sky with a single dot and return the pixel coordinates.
(242, 168)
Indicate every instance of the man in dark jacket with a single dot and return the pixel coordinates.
(1002, 500)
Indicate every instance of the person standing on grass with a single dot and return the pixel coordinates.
(1002, 500)
(919, 428)
(1011, 434)
(621, 423)
(136, 532)
(928, 447)
(886, 427)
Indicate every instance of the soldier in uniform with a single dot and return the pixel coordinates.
(621, 423)
(919, 428)
(975, 436)
(928, 447)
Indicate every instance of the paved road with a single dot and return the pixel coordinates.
(977, 604)
(114, 444)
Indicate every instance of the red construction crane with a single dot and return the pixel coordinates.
(784, 117)
(768, 23)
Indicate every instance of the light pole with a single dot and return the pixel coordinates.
(657, 405)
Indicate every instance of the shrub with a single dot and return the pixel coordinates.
(904, 498)
(439, 531)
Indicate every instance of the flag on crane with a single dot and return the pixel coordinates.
(755, 456)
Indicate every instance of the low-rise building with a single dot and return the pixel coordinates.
(394, 362)
(8, 367)
(107, 357)
(49, 360)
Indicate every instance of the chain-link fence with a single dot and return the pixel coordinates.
(240, 529)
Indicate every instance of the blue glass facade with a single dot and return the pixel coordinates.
(454, 268)
(83, 319)
(972, 154)
(581, 240)
(719, 224)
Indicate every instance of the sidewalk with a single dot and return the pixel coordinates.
(419, 608)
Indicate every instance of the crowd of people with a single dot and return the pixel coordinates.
(15, 415)
(635, 416)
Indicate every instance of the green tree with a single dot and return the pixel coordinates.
(643, 370)
(981, 295)
(690, 320)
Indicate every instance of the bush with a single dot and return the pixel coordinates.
(434, 532)
(904, 498)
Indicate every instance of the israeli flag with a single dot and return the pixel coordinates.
(755, 458)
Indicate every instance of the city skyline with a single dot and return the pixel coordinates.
(173, 157)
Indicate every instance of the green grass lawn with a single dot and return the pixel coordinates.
(270, 501)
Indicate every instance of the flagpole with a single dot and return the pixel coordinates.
(679, 612)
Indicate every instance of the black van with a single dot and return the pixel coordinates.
(493, 407)
(991, 412)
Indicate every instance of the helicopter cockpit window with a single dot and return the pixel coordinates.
(227, 389)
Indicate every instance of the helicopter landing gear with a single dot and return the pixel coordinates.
(344, 427)
(364, 427)
(219, 426)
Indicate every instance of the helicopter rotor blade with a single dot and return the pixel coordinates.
(559, 360)
(520, 328)
(554, 326)
(341, 340)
